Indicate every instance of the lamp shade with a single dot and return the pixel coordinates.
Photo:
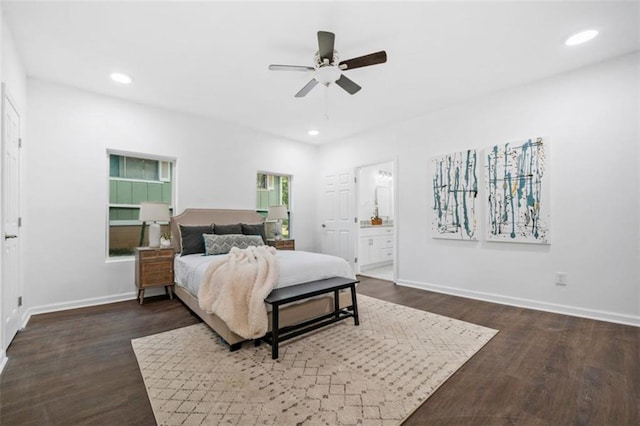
(277, 213)
(154, 212)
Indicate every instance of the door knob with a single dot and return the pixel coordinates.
(6, 236)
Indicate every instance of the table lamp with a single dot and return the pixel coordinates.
(154, 213)
(278, 213)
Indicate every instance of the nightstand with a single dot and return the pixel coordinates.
(154, 268)
(282, 244)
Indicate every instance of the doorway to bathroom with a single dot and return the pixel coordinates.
(375, 195)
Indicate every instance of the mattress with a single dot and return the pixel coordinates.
(296, 267)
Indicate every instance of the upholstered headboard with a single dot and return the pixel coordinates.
(209, 216)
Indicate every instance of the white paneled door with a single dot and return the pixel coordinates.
(10, 220)
(338, 215)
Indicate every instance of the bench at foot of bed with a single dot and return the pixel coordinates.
(281, 296)
(290, 314)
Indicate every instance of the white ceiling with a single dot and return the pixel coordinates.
(211, 58)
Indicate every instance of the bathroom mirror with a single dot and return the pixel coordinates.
(383, 195)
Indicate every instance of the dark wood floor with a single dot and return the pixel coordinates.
(78, 367)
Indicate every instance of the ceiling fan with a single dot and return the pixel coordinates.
(328, 69)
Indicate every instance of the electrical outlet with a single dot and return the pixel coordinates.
(561, 278)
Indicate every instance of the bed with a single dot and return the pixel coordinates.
(295, 268)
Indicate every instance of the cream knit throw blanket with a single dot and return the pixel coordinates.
(235, 286)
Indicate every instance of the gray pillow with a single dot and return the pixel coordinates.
(236, 228)
(255, 229)
(222, 244)
(191, 238)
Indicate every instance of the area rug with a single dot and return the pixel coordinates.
(375, 374)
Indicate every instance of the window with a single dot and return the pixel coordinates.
(265, 182)
(133, 168)
(133, 179)
(274, 190)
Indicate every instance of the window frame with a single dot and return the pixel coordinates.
(271, 177)
(267, 183)
(165, 171)
(146, 156)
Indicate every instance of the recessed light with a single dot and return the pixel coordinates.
(314, 132)
(121, 78)
(581, 37)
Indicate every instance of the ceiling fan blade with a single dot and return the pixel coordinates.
(325, 45)
(290, 68)
(364, 61)
(307, 88)
(348, 85)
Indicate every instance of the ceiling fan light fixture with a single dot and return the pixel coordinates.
(121, 78)
(327, 74)
(314, 132)
(327, 68)
(581, 37)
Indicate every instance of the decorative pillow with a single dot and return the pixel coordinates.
(191, 238)
(222, 244)
(236, 228)
(255, 229)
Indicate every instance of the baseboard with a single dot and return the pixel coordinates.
(3, 359)
(54, 307)
(526, 303)
(375, 265)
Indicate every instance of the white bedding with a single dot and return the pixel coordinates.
(296, 267)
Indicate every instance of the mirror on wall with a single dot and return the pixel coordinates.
(383, 196)
(375, 192)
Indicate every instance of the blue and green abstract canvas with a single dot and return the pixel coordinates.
(455, 190)
(517, 192)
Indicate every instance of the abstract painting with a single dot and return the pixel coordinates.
(455, 189)
(517, 192)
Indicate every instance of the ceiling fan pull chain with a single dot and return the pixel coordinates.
(326, 103)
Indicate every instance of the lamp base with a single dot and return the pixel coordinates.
(277, 233)
(154, 235)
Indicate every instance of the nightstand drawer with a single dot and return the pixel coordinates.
(154, 268)
(156, 254)
(286, 245)
(154, 273)
(282, 244)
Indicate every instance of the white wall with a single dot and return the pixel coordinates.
(69, 133)
(589, 116)
(590, 119)
(13, 73)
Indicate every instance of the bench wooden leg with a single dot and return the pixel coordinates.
(354, 302)
(275, 325)
(235, 347)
